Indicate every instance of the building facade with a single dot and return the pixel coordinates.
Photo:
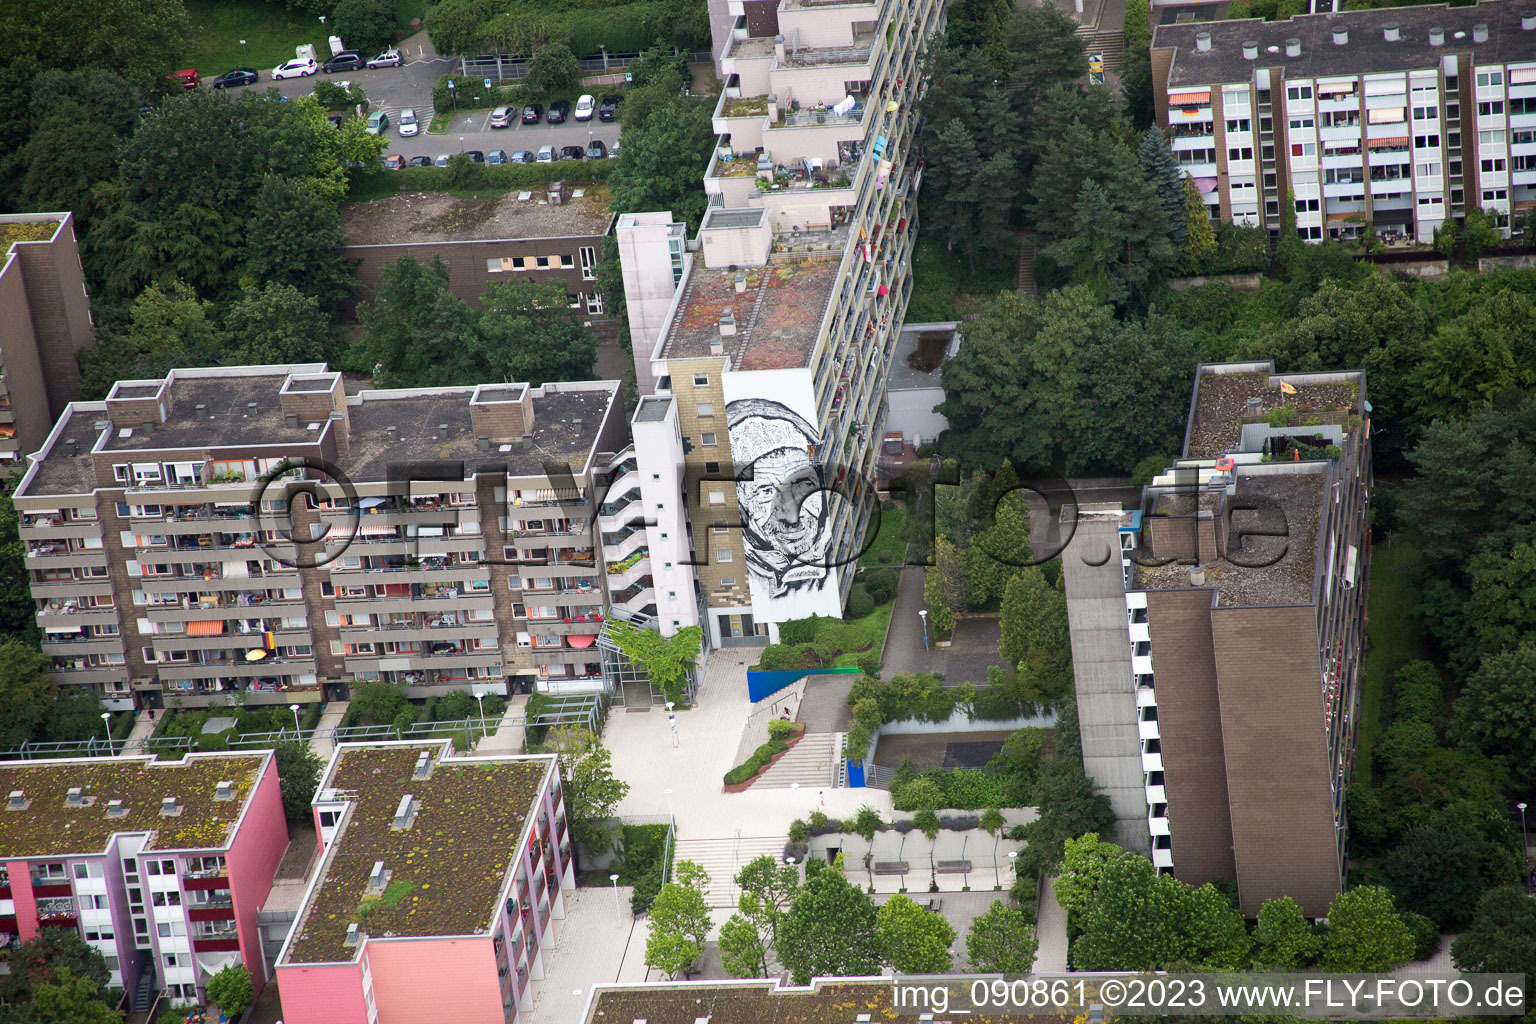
(440, 886)
(47, 318)
(1398, 120)
(447, 537)
(784, 311)
(1217, 632)
(159, 865)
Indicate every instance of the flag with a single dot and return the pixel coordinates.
(1287, 389)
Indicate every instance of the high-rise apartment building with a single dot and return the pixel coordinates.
(162, 866)
(1396, 119)
(770, 360)
(441, 884)
(449, 540)
(47, 318)
(1217, 631)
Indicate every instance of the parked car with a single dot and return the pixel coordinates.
(346, 60)
(303, 67)
(239, 76)
(475, 156)
(608, 109)
(496, 157)
(585, 107)
(419, 161)
(441, 160)
(187, 78)
(501, 117)
(521, 156)
(532, 112)
(394, 162)
(558, 112)
(390, 58)
(572, 153)
(546, 155)
(596, 150)
(613, 151)
(408, 124)
(377, 122)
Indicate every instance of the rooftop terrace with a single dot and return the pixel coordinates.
(1279, 569)
(48, 827)
(1222, 405)
(827, 1001)
(1367, 49)
(448, 869)
(436, 217)
(778, 317)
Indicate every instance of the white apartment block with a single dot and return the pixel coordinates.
(1398, 119)
(770, 360)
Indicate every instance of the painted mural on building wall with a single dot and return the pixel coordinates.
(784, 510)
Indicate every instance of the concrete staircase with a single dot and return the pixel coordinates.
(755, 733)
(723, 858)
(1109, 42)
(1027, 252)
(809, 762)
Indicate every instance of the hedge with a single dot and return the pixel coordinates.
(759, 760)
(961, 790)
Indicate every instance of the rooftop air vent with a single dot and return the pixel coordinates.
(353, 935)
(1527, 20)
(18, 801)
(405, 813)
(1480, 33)
(741, 281)
(115, 809)
(75, 797)
(1293, 47)
(1437, 36)
(1197, 575)
(1250, 49)
(291, 419)
(1390, 32)
(728, 324)
(378, 877)
(424, 759)
(1203, 41)
(224, 791)
(716, 346)
(1340, 35)
(169, 808)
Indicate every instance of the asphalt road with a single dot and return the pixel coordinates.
(393, 89)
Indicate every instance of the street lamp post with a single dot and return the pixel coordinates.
(461, 143)
(1013, 863)
(1523, 843)
(668, 791)
(106, 723)
(296, 727)
(242, 50)
(480, 697)
(923, 612)
(614, 878)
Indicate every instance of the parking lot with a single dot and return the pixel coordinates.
(393, 89)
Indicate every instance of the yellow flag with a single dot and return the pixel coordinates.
(1287, 389)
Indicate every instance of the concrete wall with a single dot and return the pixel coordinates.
(417, 980)
(329, 994)
(648, 286)
(1240, 282)
(1487, 263)
(957, 722)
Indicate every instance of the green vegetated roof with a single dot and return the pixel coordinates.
(26, 231)
(826, 1002)
(48, 827)
(446, 870)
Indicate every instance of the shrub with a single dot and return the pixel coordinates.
(453, 707)
(902, 827)
(779, 729)
(960, 822)
(881, 583)
(1426, 934)
(920, 794)
(212, 742)
(1282, 416)
(780, 658)
(798, 831)
(819, 821)
(799, 631)
(860, 603)
(404, 720)
(866, 823)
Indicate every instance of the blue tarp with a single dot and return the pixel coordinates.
(765, 684)
(855, 774)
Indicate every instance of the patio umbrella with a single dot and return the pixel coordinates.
(256, 655)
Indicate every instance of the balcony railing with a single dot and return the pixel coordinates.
(816, 56)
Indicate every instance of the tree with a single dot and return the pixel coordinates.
(295, 238)
(666, 660)
(941, 617)
(768, 889)
(992, 823)
(913, 939)
(45, 957)
(26, 690)
(137, 39)
(18, 613)
(75, 714)
(1497, 709)
(1034, 617)
(1163, 171)
(529, 333)
(1001, 941)
(1069, 803)
(1048, 53)
(1477, 235)
(592, 791)
(166, 328)
(1139, 920)
(298, 773)
(668, 141)
(68, 998)
(1475, 357)
(414, 330)
(829, 930)
(1287, 942)
(1199, 238)
(743, 948)
(679, 921)
(1441, 873)
(364, 25)
(1365, 933)
(1501, 938)
(230, 990)
(1084, 861)
(553, 69)
(999, 551)
(359, 149)
(377, 704)
(276, 324)
(67, 155)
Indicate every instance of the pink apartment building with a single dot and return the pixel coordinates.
(441, 883)
(161, 865)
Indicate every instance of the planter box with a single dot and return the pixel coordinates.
(789, 744)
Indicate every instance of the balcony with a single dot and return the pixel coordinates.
(59, 554)
(1162, 857)
(79, 642)
(230, 669)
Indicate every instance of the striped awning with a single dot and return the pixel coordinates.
(206, 627)
(1190, 99)
(1388, 143)
(1522, 76)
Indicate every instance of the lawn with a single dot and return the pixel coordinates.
(1392, 632)
(943, 287)
(871, 629)
(890, 543)
(271, 31)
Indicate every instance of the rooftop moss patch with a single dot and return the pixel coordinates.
(48, 827)
(446, 871)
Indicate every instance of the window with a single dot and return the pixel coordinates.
(120, 473)
(707, 440)
(1426, 170)
(1303, 149)
(1485, 78)
(1425, 113)
(542, 262)
(594, 304)
(727, 581)
(1300, 123)
(167, 899)
(1298, 92)
(328, 819)
(1493, 166)
(706, 409)
(723, 555)
(111, 962)
(717, 497)
(1526, 105)
(1239, 124)
(1488, 139)
(1496, 195)
(1306, 206)
(1426, 142)
(1240, 153)
(701, 380)
(588, 256)
(1491, 108)
(82, 871)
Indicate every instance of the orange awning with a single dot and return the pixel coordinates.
(1396, 140)
(580, 641)
(206, 627)
(1186, 99)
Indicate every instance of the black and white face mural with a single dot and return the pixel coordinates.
(783, 508)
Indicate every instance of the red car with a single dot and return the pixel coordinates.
(394, 162)
(187, 79)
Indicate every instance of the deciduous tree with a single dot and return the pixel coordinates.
(829, 930)
(1034, 617)
(667, 660)
(231, 990)
(364, 25)
(913, 939)
(1501, 937)
(1002, 941)
(529, 333)
(298, 773)
(276, 323)
(1286, 940)
(1084, 862)
(413, 331)
(743, 948)
(1497, 709)
(26, 690)
(679, 921)
(592, 791)
(1365, 932)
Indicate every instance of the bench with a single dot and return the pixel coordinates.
(954, 867)
(890, 867)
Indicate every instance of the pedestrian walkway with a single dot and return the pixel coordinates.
(598, 942)
(769, 709)
(508, 737)
(320, 742)
(1051, 931)
(143, 729)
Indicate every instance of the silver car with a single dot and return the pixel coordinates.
(408, 123)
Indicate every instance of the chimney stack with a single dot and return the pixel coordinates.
(1390, 32)
(1197, 575)
(1437, 36)
(1293, 47)
(1480, 33)
(1203, 41)
(1340, 35)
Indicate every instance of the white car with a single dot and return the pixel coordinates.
(388, 59)
(303, 67)
(546, 155)
(441, 160)
(585, 107)
(408, 123)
